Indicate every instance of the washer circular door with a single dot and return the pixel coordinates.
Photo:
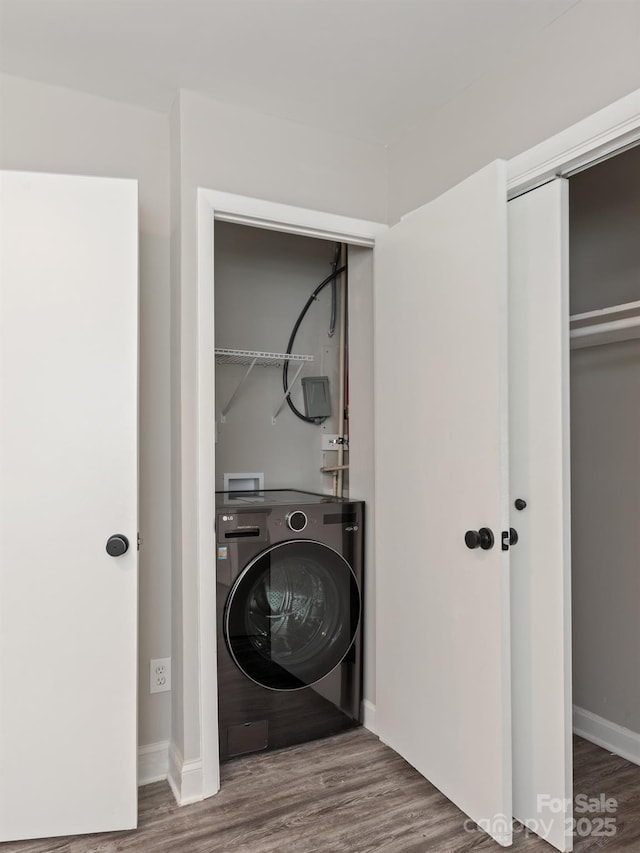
(292, 614)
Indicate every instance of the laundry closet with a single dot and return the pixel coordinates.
(604, 204)
(264, 278)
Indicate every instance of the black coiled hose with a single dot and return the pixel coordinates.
(285, 366)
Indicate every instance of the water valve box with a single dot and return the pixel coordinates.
(317, 399)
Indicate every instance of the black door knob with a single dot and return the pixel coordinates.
(117, 545)
(520, 504)
(482, 538)
(513, 536)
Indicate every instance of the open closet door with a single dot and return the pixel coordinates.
(539, 473)
(68, 505)
(443, 693)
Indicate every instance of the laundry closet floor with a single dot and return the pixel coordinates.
(345, 794)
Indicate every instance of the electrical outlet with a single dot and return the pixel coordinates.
(160, 675)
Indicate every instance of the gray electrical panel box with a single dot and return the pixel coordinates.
(317, 400)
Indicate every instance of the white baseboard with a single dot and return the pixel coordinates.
(184, 777)
(369, 716)
(611, 736)
(153, 762)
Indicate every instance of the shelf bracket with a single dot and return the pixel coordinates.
(287, 392)
(225, 411)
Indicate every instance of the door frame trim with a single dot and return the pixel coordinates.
(602, 134)
(595, 138)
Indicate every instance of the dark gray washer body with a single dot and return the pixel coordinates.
(250, 529)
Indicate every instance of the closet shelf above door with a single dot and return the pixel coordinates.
(606, 326)
(253, 358)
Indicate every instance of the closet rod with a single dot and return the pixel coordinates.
(608, 325)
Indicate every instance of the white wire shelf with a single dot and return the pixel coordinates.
(252, 358)
(606, 326)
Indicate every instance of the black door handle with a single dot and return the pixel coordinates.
(117, 545)
(482, 538)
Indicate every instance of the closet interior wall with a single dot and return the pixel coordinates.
(605, 446)
(262, 280)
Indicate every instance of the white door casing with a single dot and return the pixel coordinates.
(227, 207)
(68, 481)
(539, 474)
(443, 634)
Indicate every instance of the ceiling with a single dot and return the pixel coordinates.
(369, 69)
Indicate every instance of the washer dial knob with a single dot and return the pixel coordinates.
(297, 520)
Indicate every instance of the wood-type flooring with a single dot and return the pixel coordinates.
(346, 794)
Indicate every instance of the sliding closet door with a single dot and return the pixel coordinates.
(68, 484)
(539, 474)
(443, 692)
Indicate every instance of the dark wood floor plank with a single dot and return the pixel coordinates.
(346, 794)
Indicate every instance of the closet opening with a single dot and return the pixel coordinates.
(604, 204)
(293, 388)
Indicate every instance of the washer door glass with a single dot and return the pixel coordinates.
(292, 615)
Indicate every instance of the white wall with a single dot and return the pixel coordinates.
(523, 101)
(50, 129)
(220, 147)
(232, 149)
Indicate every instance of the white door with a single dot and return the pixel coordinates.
(539, 463)
(68, 482)
(443, 692)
